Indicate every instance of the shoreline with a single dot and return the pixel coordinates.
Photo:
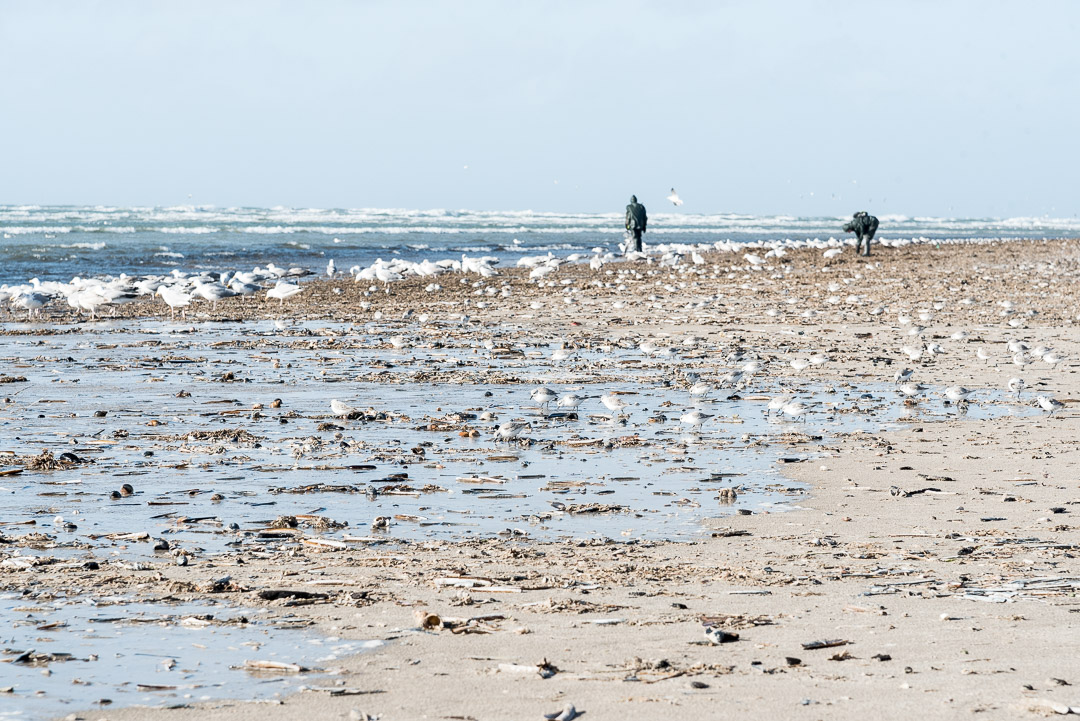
(903, 573)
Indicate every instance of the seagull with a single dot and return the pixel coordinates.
(700, 389)
(1016, 384)
(795, 409)
(731, 379)
(543, 395)
(31, 302)
(903, 376)
(911, 389)
(1052, 359)
(913, 353)
(694, 419)
(570, 401)
(1049, 404)
(214, 292)
(983, 355)
(778, 403)
(340, 409)
(283, 290)
(612, 402)
(386, 275)
(174, 298)
(958, 394)
(674, 198)
(751, 367)
(510, 430)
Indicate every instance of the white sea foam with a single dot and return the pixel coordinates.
(85, 246)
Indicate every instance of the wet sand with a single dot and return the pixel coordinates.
(916, 553)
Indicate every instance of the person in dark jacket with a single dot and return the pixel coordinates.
(636, 219)
(863, 225)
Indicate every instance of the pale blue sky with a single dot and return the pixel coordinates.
(802, 108)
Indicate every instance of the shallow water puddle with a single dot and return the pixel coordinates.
(187, 415)
(67, 655)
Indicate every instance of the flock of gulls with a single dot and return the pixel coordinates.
(178, 290)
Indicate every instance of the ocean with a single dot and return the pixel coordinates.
(59, 242)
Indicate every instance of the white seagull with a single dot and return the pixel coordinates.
(674, 198)
(544, 395)
(1049, 404)
(341, 409)
(510, 430)
(283, 290)
(958, 394)
(612, 402)
(694, 419)
(570, 401)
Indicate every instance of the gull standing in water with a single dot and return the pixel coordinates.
(340, 409)
(903, 376)
(795, 409)
(911, 390)
(570, 401)
(510, 430)
(777, 404)
(1016, 384)
(613, 403)
(958, 394)
(694, 419)
(700, 389)
(544, 396)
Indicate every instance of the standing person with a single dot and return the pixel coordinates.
(636, 219)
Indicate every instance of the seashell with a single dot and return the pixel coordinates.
(426, 619)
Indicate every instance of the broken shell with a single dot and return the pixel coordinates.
(427, 620)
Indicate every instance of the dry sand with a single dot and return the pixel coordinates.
(864, 561)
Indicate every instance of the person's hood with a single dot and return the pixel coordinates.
(633, 198)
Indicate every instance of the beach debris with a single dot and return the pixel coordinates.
(829, 643)
(717, 636)
(427, 620)
(275, 666)
(544, 669)
(568, 713)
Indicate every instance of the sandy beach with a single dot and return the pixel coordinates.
(922, 565)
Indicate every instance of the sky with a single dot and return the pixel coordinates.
(935, 108)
